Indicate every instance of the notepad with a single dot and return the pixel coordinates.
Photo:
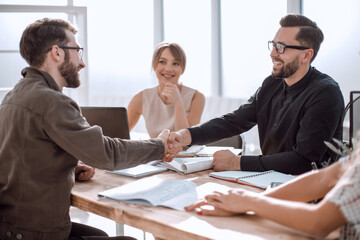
(139, 171)
(255, 179)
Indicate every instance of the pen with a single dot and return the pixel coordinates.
(272, 185)
(314, 167)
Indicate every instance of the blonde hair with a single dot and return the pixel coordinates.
(175, 49)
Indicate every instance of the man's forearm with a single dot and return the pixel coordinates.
(285, 162)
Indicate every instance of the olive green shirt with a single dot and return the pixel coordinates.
(42, 137)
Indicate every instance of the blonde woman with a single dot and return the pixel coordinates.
(170, 105)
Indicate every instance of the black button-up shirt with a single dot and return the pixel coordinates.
(293, 123)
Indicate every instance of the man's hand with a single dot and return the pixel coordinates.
(84, 172)
(169, 153)
(225, 160)
(182, 136)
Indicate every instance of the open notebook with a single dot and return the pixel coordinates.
(112, 120)
(154, 191)
(254, 179)
(180, 165)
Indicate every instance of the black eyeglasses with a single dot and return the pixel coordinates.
(280, 48)
(79, 49)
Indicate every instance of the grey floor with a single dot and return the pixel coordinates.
(105, 224)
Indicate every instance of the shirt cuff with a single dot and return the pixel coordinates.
(160, 148)
(251, 163)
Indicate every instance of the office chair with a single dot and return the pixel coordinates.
(237, 141)
(353, 107)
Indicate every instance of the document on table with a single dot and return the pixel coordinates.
(180, 165)
(188, 164)
(153, 191)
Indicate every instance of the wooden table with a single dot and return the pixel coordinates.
(172, 224)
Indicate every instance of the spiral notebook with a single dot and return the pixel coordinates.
(254, 179)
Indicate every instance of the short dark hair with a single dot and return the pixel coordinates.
(40, 36)
(175, 49)
(310, 35)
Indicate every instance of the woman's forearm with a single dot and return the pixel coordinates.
(181, 120)
(308, 186)
(318, 220)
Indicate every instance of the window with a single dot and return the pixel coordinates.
(35, 2)
(246, 29)
(120, 36)
(188, 23)
(13, 20)
(339, 54)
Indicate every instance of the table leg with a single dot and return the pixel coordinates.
(120, 229)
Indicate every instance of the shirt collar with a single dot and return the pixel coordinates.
(300, 85)
(30, 72)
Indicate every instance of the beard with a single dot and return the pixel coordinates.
(69, 72)
(287, 70)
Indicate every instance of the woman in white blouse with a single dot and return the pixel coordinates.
(288, 204)
(170, 105)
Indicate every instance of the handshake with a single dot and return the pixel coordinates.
(173, 142)
(224, 160)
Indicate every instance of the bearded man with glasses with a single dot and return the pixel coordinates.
(296, 109)
(43, 136)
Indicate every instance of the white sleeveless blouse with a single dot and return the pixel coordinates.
(158, 115)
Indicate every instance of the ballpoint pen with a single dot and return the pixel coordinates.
(313, 165)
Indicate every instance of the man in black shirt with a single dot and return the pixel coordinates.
(296, 109)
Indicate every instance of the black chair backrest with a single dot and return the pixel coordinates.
(236, 141)
(353, 108)
(112, 120)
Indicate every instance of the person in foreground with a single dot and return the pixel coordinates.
(43, 136)
(170, 105)
(296, 109)
(338, 185)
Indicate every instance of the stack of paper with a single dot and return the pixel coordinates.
(188, 165)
